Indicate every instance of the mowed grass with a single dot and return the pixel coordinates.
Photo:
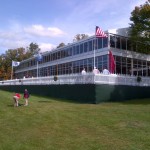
(50, 124)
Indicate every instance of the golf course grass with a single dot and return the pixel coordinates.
(52, 124)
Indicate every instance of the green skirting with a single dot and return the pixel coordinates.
(84, 93)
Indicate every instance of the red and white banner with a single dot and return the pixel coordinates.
(112, 63)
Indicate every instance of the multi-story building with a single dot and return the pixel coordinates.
(88, 53)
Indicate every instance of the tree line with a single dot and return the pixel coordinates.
(17, 54)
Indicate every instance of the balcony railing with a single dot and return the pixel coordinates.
(111, 79)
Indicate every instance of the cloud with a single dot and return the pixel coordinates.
(19, 36)
(46, 47)
(39, 30)
(12, 44)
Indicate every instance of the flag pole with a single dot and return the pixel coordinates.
(37, 69)
(94, 53)
(100, 34)
(94, 48)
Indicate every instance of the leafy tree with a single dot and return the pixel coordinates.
(140, 28)
(33, 49)
(61, 45)
(79, 37)
(17, 54)
(6, 61)
(2, 67)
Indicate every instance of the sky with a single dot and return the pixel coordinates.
(51, 22)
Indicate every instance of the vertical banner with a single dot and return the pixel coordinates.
(112, 63)
(39, 57)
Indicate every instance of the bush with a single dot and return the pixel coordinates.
(55, 78)
(139, 79)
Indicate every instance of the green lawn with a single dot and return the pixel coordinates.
(49, 124)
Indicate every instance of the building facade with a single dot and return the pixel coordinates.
(88, 53)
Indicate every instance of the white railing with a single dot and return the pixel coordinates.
(121, 80)
(89, 78)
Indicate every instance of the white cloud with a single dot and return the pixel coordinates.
(18, 36)
(39, 30)
(46, 47)
(6, 35)
(12, 44)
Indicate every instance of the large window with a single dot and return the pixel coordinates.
(105, 42)
(99, 43)
(85, 47)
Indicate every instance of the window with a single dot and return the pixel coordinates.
(112, 41)
(105, 42)
(90, 45)
(99, 43)
(118, 42)
(123, 43)
(81, 48)
(85, 47)
(77, 49)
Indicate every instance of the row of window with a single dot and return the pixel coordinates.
(98, 43)
(125, 44)
(123, 66)
(68, 68)
(95, 43)
(76, 49)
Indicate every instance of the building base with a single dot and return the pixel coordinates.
(84, 93)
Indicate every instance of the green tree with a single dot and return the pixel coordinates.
(140, 28)
(6, 61)
(61, 45)
(2, 67)
(33, 49)
(17, 54)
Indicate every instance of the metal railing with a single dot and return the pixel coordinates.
(89, 78)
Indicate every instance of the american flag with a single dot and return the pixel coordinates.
(99, 32)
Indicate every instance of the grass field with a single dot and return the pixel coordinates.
(49, 124)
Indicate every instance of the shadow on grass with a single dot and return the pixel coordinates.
(12, 105)
(137, 102)
(48, 101)
(60, 100)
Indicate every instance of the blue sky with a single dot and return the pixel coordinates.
(50, 22)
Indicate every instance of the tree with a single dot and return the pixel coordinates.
(2, 67)
(79, 37)
(33, 49)
(61, 45)
(140, 28)
(6, 61)
(17, 54)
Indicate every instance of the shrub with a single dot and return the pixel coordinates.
(139, 79)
